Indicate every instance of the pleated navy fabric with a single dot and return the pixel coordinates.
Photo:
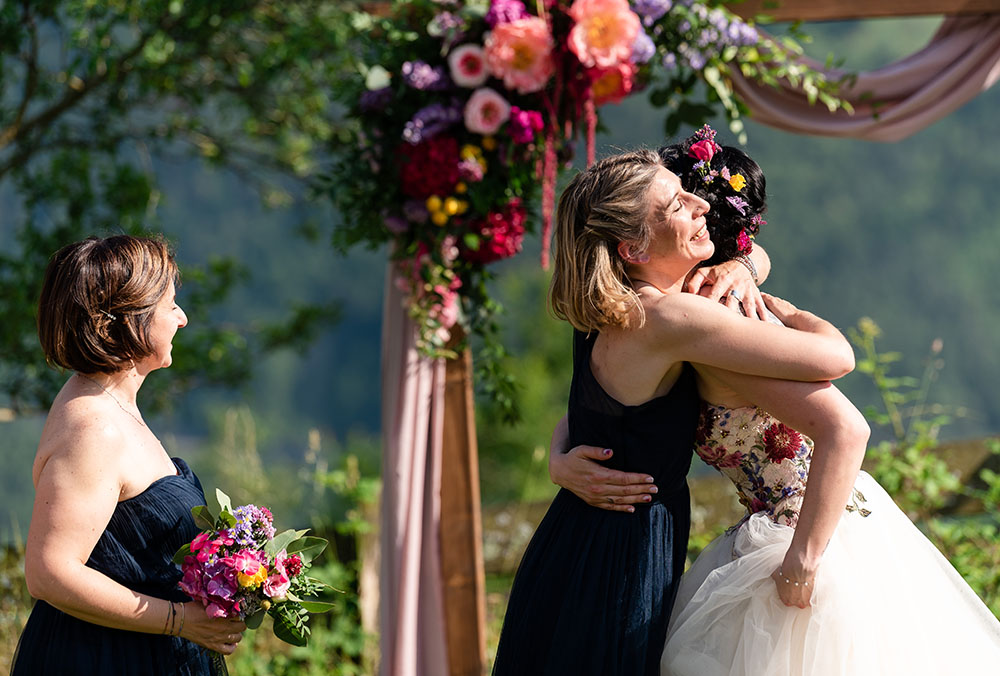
(595, 588)
(135, 550)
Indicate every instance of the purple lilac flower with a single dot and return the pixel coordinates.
(739, 204)
(415, 211)
(505, 11)
(423, 76)
(395, 223)
(684, 26)
(253, 525)
(446, 24)
(670, 62)
(643, 48)
(373, 100)
(431, 120)
(651, 10)
(695, 59)
(742, 34)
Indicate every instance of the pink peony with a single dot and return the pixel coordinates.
(611, 85)
(702, 150)
(277, 583)
(520, 53)
(485, 111)
(604, 32)
(467, 65)
(524, 124)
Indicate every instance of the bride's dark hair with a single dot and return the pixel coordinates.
(724, 220)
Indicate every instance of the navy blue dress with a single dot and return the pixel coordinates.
(595, 588)
(135, 550)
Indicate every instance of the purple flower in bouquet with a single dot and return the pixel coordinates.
(425, 77)
(253, 525)
(651, 10)
(373, 100)
(505, 11)
(415, 211)
(695, 59)
(742, 34)
(643, 48)
(431, 120)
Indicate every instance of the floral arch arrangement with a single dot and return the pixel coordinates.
(464, 112)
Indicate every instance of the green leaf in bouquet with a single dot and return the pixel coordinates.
(282, 540)
(203, 517)
(225, 504)
(181, 553)
(316, 606)
(227, 519)
(308, 548)
(290, 625)
(253, 621)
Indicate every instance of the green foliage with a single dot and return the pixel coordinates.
(92, 93)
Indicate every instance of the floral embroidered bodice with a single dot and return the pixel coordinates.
(766, 460)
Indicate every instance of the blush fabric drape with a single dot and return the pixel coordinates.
(961, 60)
(411, 612)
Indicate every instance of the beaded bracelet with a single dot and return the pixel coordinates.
(748, 262)
(787, 581)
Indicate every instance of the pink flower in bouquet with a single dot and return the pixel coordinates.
(524, 124)
(277, 583)
(613, 84)
(429, 168)
(206, 546)
(501, 234)
(485, 111)
(520, 53)
(703, 150)
(467, 65)
(604, 32)
(293, 565)
(251, 571)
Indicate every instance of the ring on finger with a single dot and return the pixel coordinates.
(611, 499)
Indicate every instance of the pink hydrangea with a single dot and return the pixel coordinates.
(277, 583)
(467, 65)
(524, 124)
(520, 53)
(604, 32)
(486, 111)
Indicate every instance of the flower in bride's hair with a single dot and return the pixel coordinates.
(739, 204)
(702, 150)
(781, 442)
(744, 243)
(520, 53)
(604, 32)
(736, 182)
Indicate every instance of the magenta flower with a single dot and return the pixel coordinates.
(703, 150)
(524, 124)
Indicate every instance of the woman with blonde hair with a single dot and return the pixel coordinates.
(595, 588)
(111, 507)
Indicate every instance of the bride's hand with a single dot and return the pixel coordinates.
(580, 472)
(794, 581)
(730, 280)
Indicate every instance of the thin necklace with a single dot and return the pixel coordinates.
(114, 398)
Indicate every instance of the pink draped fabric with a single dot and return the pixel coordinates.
(411, 611)
(960, 61)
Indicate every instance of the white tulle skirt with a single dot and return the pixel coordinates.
(885, 602)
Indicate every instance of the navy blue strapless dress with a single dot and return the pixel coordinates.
(595, 588)
(135, 550)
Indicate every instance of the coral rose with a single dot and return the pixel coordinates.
(613, 84)
(520, 53)
(604, 32)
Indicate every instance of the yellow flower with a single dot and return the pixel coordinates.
(439, 218)
(451, 206)
(471, 152)
(461, 187)
(463, 206)
(737, 182)
(489, 143)
(433, 203)
(254, 580)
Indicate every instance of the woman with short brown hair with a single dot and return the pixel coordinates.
(111, 507)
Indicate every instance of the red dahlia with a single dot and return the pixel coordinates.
(429, 168)
(781, 442)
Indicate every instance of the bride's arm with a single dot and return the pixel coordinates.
(579, 471)
(840, 436)
(734, 281)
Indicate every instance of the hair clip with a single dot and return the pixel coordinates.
(108, 315)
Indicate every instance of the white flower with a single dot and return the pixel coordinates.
(467, 64)
(485, 111)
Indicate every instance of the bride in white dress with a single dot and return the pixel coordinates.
(800, 586)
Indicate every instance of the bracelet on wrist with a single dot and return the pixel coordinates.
(749, 264)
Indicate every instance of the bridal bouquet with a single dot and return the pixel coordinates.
(238, 567)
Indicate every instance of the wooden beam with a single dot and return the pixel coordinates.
(836, 10)
(462, 568)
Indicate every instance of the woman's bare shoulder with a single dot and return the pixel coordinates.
(80, 433)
